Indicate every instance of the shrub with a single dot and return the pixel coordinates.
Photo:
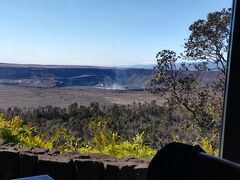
(102, 140)
(203, 142)
(108, 142)
(15, 132)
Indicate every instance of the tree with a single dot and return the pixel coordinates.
(183, 88)
(209, 40)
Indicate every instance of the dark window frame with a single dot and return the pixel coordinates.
(230, 145)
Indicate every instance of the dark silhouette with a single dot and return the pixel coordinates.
(182, 161)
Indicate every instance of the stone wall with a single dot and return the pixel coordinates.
(18, 162)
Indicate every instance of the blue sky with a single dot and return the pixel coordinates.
(96, 32)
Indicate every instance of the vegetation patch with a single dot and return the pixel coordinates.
(15, 132)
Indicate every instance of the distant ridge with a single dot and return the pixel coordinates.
(33, 75)
(140, 66)
(55, 66)
(178, 65)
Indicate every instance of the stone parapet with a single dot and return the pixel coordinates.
(16, 162)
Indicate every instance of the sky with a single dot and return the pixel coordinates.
(96, 32)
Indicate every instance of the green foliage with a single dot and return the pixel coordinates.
(207, 146)
(119, 149)
(185, 92)
(107, 142)
(159, 123)
(183, 88)
(203, 142)
(209, 40)
(100, 136)
(15, 132)
(102, 140)
(63, 141)
(125, 120)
